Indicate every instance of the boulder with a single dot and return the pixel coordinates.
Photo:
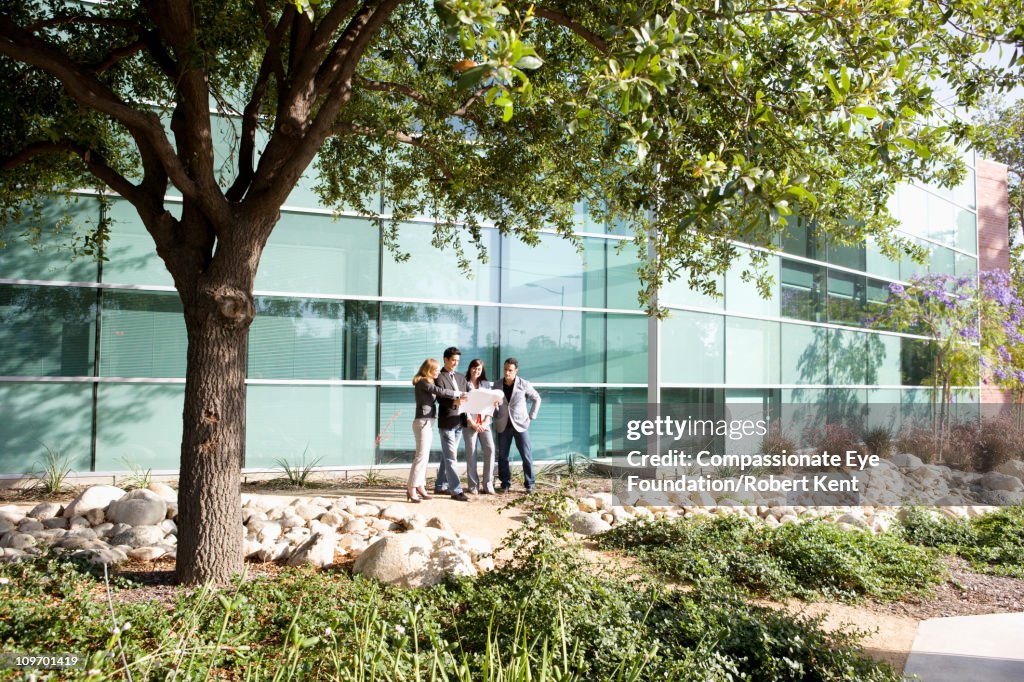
(45, 510)
(906, 461)
(588, 524)
(139, 536)
(140, 507)
(56, 522)
(405, 560)
(28, 525)
(308, 512)
(166, 492)
(318, 551)
(1013, 467)
(94, 517)
(440, 523)
(146, 553)
(994, 480)
(96, 497)
(395, 512)
(455, 560)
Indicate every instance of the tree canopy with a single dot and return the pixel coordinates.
(695, 123)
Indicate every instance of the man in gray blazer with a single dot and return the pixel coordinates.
(512, 421)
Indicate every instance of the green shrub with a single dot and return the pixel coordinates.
(993, 543)
(879, 441)
(814, 559)
(921, 443)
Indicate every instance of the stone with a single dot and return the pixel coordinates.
(604, 500)
(95, 497)
(90, 533)
(588, 524)
(7, 526)
(108, 555)
(455, 561)
(56, 522)
(395, 512)
(853, 520)
(166, 492)
(365, 510)
(20, 541)
(172, 511)
(308, 512)
(74, 543)
(1013, 467)
(45, 510)
(318, 551)
(351, 544)
(95, 516)
(11, 515)
(278, 551)
(292, 521)
(587, 505)
(28, 525)
(994, 480)
(146, 553)
(169, 527)
(138, 536)
(140, 507)
(343, 503)
(440, 523)
(405, 560)
(333, 518)
(355, 525)
(906, 461)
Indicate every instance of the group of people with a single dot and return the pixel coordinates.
(440, 393)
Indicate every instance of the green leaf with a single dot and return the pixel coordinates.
(529, 63)
(866, 110)
(469, 79)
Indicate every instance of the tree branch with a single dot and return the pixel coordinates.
(576, 27)
(64, 19)
(388, 86)
(417, 141)
(93, 160)
(119, 54)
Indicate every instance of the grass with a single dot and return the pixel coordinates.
(298, 474)
(52, 476)
(993, 543)
(810, 560)
(542, 617)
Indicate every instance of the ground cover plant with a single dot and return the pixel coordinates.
(810, 560)
(993, 543)
(542, 616)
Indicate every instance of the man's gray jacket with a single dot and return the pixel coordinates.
(515, 409)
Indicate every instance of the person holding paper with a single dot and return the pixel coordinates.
(450, 422)
(512, 421)
(423, 423)
(478, 429)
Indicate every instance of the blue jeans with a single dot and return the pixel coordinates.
(446, 471)
(522, 439)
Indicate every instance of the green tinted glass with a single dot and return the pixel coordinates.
(693, 348)
(46, 331)
(411, 333)
(143, 335)
(139, 425)
(38, 416)
(43, 246)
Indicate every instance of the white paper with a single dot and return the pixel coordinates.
(481, 401)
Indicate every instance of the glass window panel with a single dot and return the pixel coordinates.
(847, 298)
(139, 425)
(967, 230)
(49, 254)
(883, 359)
(853, 256)
(942, 221)
(880, 264)
(397, 409)
(912, 210)
(555, 345)
(800, 291)
(679, 292)
(305, 194)
(319, 254)
(623, 281)
(569, 422)
(333, 424)
(45, 415)
(552, 273)
(411, 333)
(744, 297)
(132, 254)
(693, 347)
(627, 348)
(751, 352)
(966, 265)
(916, 407)
(615, 427)
(847, 357)
(431, 272)
(943, 260)
(964, 193)
(799, 238)
(910, 268)
(143, 335)
(915, 362)
(313, 339)
(804, 354)
(877, 301)
(46, 331)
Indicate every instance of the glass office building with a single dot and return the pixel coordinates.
(94, 353)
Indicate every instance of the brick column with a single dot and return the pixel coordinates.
(993, 236)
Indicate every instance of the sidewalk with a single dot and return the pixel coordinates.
(969, 649)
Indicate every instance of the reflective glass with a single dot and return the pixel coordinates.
(847, 298)
(799, 238)
(852, 256)
(397, 409)
(313, 339)
(800, 291)
(49, 254)
(623, 280)
(553, 272)
(910, 268)
(45, 415)
(431, 272)
(569, 422)
(133, 258)
(46, 331)
(693, 346)
(965, 265)
(912, 210)
(678, 292)
(804, 354)
(847, 357)
(967, 230)
(915, 362)
(411, 333)
(316, 254)
(143, 335)
(555, 345)
(332, 425)
(880, 264)
(744, 297)
(943, 261)
(626, 348)
(751, 352)
(139, 425)
(883, 359)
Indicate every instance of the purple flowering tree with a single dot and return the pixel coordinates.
(974, 327)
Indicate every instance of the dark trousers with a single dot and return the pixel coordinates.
(522, 439)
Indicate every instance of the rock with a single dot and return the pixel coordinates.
(7, 526)
(28, 525)
(440, 523)
(20, 541)
(95, 516)
(396, 512)
(12, 515)
(906, 461)
(75, 543)
(146, 553)
(588, 524)
(166, 492)
(138, 536)
(172, 511)
(56, 522)
(318, 551)
(90, 533)
(587, 505)
(853, 521)
(356, 525)
(292, 521)
(266, 531)
(365, 510)
(479, 548)
(45, 510)
(343, 503)
(334, 518)
(994, 480)
(138, 508)
(604, 501)
(352, 544)
(169, 527)
(109, 556)
(96, 497)
(455, 561)
(1013, 467)
(405, 560)
(308, 512)
(277, 551)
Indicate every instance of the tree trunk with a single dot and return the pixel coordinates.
(210, 532)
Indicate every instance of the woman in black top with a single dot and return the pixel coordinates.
(423, 423)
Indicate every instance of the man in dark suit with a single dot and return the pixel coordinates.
(449, 425)
(512, 421)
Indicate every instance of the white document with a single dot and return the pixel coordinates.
(481, 401)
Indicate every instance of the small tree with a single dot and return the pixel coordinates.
(1002, 337)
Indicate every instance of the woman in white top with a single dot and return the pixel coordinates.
(478, 428)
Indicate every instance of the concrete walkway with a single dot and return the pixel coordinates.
(969, 649)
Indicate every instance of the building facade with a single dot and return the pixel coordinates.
(94, 353)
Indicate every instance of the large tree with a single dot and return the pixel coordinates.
(697, 123)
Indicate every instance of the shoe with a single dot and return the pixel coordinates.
(529, 491)
(412, 498)
(504, 489)
(473, 491)
(460, 497)
(422, 492)
(487, 491)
